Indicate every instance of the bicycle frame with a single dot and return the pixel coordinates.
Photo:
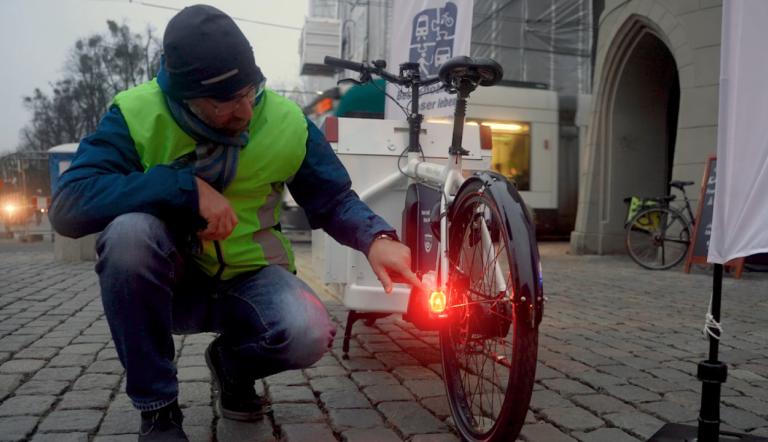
(449, 179)
(688, 209)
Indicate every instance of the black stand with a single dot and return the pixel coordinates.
(711, 373)
(353, 316)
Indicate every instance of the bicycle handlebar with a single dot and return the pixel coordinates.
(366, 69)
(409, 77)
(346, 64)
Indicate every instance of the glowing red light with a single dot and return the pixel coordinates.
(437, 301)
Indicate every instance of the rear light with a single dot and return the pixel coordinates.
(427, 310)
(437, 302)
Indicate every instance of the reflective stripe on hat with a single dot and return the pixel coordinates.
(221, 77)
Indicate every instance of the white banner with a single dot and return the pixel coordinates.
(428, 32)
(740, 217)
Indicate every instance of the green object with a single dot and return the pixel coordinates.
(363, 101)
(648, 222)
(274, 153)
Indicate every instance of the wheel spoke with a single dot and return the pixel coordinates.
(663, 240)
(684, 242)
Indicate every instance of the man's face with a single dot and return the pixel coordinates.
(230, 117)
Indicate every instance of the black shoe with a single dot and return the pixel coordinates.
(163, 425)
(237, 398)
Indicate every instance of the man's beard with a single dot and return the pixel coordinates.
(233, 132)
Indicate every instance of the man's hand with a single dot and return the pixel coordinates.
(391, 262)
(216, 211)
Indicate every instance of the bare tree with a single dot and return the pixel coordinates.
(97, 68)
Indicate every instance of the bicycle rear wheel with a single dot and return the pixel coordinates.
(658, 238)
(489, 344)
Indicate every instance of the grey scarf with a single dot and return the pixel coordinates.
(216, 155)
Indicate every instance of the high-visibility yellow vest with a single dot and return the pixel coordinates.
(274, 153)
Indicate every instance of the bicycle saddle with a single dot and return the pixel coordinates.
(680, 184)
(482, 71)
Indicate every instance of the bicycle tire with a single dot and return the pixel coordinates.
(658, 238)
(486, 404)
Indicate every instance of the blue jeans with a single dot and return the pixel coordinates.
(269, 320)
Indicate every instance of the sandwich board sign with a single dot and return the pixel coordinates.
(702, 231)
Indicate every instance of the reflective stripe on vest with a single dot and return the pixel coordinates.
(269, 215)
(274, 153)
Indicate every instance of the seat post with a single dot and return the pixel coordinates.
(459, 115)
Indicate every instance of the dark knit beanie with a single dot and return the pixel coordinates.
(206, 55)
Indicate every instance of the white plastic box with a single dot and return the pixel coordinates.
(370, 149)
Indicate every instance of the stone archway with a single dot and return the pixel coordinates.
(641, 126)
(633, 133)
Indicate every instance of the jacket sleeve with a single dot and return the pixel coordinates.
(322, 187)
(106, 179)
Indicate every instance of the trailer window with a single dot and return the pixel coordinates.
(511, 151)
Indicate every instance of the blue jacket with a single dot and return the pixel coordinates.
(106, 179)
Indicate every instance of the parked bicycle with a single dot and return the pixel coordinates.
(657, 234)
(487, 297)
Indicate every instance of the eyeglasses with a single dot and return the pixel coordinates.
(231, 105)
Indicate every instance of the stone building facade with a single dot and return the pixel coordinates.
(654, 110)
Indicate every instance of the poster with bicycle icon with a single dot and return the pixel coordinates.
(428, 32)
(432, 36)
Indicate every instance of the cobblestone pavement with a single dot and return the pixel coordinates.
(617, 359)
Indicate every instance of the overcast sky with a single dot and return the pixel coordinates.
(37, 35)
